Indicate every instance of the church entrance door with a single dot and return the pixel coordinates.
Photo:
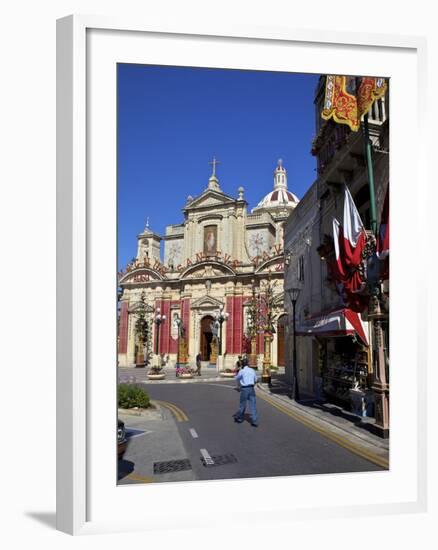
(280, 340)
(206, 337)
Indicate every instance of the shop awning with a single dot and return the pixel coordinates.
(341, 322)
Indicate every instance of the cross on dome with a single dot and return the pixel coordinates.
(280, 167)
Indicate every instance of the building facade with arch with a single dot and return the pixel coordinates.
(218, 259)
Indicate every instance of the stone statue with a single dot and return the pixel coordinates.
(214, 329)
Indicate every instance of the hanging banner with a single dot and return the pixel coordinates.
(348, 98)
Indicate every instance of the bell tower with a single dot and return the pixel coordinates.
(148, 244)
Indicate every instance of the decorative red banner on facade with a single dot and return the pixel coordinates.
(237, 325)
(200, 257)
(123, 328)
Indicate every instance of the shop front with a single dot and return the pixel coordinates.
(345, 372)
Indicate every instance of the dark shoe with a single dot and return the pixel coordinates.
(238, 420)
(254, 425)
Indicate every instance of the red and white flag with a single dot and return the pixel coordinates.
(349, 238)
(338, 234)
(349, 241)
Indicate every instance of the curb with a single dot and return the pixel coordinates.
(140, 413)
(186, 381)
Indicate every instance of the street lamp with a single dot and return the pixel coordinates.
(158, 319)
(294, 394)
(178, 322)
(220, 318)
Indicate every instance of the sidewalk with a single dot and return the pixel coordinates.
(154, 444)
(330, 419)
(132, 375)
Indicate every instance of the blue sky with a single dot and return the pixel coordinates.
(173, 120)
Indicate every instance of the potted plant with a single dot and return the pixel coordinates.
(228, 373)
(184, 372)
(157, 372)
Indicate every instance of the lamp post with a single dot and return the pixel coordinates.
(158, 319)
(220, 318)
(294, 393)
(178, 322)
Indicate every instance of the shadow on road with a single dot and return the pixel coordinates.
(125, 467)
(280, 386)
(279, 390)
(246, 418)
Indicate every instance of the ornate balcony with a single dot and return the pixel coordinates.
(330, 138)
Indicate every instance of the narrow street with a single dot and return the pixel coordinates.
(196, 426)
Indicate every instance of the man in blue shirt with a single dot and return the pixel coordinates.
(248, 379)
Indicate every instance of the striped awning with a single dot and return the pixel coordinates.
(341, 322)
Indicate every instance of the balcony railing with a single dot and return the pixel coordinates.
(330, 138)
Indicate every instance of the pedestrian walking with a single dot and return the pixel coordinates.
(198, 364)
(248, 379)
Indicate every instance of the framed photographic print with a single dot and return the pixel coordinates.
(228, 303)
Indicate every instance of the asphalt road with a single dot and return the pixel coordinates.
(280, 445)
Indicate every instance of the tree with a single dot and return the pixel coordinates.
(142, 330)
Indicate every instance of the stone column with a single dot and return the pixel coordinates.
(130, 356)
(214, 350)
(380, 384)
(274, 350)
(182, 351)
(266, 375)
(123, 334)
(253, 354)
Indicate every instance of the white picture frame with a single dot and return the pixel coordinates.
(84, 502)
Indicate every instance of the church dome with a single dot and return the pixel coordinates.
(280, 198)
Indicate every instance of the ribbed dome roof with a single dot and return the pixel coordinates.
(280, 198)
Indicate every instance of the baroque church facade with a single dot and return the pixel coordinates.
(221, 258)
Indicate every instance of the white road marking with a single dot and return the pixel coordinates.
(193, 433)
(207, 457)
(133, 436)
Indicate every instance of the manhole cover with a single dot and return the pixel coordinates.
(172, 466)
(220, 460)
